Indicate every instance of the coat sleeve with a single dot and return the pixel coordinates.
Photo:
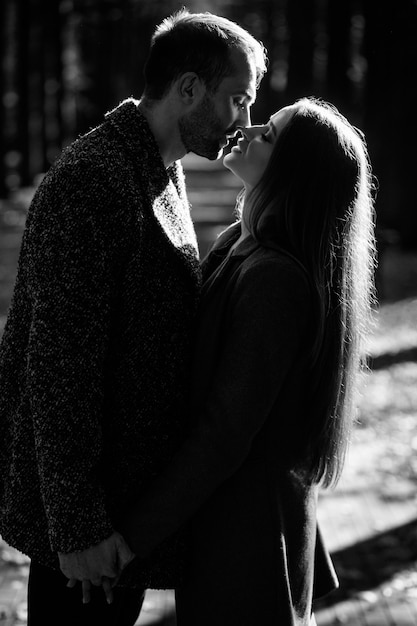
(73, 244)
(270, 305)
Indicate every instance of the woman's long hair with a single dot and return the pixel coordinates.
(315, 200)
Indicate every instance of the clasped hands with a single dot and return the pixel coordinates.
(100, 565)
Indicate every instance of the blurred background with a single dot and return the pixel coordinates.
(64, 63)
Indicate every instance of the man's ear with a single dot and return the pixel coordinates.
(190, 88)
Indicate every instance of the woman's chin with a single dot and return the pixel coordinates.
(229, 160)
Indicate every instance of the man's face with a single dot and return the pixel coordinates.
(216, 117)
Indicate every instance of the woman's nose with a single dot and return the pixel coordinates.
(250, 132)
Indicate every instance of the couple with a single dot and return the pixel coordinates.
(166, 425)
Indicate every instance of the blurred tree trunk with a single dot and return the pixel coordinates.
(37, 80)
(301, 22)
(404, 119)
(390, 122)
(53, 84)
(104, 45)
(338, 53)
(111, 54)
(86, 36)
(3, 83)
(23, 115)
(378, 101)
(36, 75)
(270, 98)
(266, 25)
(105, 55)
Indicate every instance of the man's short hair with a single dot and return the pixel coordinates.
(200, 43)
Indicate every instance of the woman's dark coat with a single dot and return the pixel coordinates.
(94, 361)
(256, 555)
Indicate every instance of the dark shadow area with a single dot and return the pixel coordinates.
(372, 562)
(392, 358)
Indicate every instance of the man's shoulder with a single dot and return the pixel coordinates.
(120, 129)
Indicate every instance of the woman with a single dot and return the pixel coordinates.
(285, 305)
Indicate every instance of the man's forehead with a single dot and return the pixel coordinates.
(243, 80)
(242, 89)
(246, 87)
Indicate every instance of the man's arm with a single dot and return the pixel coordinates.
(73, 244)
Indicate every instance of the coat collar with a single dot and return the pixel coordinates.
(221, 262)
(139, 142)
(226, 240)
(163, 188)
(220, 256)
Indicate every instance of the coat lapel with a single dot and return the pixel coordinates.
(164, 190)
(172, 211)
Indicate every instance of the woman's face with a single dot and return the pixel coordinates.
(249, 158)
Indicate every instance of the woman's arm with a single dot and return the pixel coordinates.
(270, 308)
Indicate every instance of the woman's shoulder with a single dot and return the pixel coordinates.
(272, 285)
(275, 263)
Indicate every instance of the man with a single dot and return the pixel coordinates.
(94, 357)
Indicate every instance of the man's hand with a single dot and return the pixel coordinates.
(97, 564)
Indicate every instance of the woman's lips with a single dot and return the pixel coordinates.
(241, 146)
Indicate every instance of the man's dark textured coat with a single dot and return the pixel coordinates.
(95, 354)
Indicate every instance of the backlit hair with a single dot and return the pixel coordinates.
(315, 199)
(200, 43)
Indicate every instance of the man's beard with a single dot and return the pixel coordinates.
(202, 132)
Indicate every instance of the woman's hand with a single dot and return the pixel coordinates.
(100, 565)
(106, 583)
